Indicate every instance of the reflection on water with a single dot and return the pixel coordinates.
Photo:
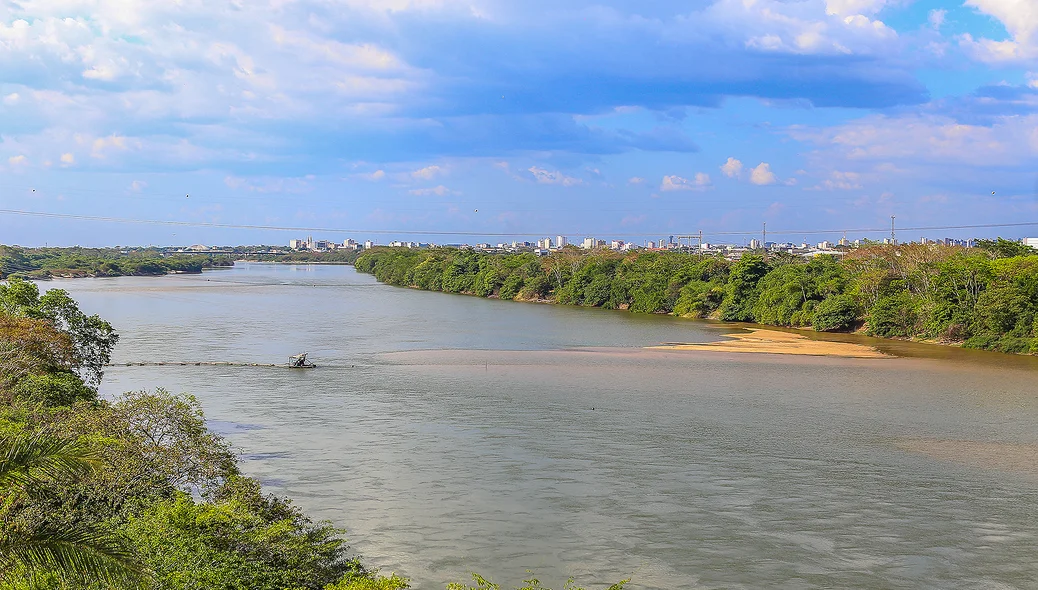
(451, 434)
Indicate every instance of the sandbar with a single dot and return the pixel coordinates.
(759, 340)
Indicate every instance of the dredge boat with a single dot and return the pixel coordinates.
(299, 362)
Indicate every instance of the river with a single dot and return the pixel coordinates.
(451, 434)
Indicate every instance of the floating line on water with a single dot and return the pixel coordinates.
(198, 364)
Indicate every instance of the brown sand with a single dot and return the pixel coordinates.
(774, 342)
(1020, 458)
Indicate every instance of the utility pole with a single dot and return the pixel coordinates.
(893, 235)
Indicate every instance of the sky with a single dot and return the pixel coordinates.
(471, 120)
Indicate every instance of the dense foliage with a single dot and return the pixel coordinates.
(135, 492)
(984, 297)
(42, 263)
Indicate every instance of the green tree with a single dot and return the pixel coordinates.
(835, 314)
(93, 338)
(32, 548)
(1002, 248)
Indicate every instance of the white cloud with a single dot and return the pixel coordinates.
(852, 7)
(11, 99)
(19, 160)
(427, 173)
(543, 176)
(439, 191)
(68, 158)
(372, 176)
(732, 168)
(840, 181)
(101, 145)
(762, 175)
(937, 17)
(138, 185)
(931, 139)
(801, 28)
(701, 181)
(1020, 18)
(636, 180)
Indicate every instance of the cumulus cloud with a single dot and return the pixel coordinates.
(19, 160)
(544, 176)
(100, 147)
(68, 158)
(138, 185)
(1020, 18)
(762, 175)
(11, 99)
(372, 176)
(701, 181)
(427, 173)
(439, 191)
(732, 168)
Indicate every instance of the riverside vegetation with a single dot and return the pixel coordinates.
(984, 297)
(136, 492)
(44, 263)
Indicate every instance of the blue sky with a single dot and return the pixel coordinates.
(482, 116)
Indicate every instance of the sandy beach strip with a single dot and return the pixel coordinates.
(759, 340)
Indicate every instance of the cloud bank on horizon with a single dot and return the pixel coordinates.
(540, 117)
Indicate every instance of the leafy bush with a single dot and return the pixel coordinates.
(894, 315)
(836, 313)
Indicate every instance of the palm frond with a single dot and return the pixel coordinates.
(27, 459)
(76, 552)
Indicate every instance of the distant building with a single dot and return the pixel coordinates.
(1032, 242)
(825, 245)
(369, 245)
(755, 244)
(560, 241)
(588, 243)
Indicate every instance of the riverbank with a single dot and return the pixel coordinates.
(975, 298)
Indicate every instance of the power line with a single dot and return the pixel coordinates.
(414, 232)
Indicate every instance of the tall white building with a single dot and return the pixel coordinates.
(589, 243)
(1032, 242)
(560, 241)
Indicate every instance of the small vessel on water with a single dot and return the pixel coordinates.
(299, 362)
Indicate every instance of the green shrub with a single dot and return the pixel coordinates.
(835, 314)
(894, 315)
(54, 389)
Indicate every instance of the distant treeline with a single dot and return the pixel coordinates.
(985, 297)
(43, 263)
